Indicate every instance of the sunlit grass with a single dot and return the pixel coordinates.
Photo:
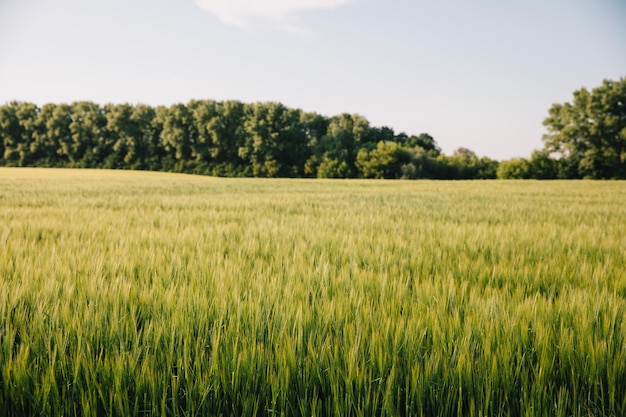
(134, 293)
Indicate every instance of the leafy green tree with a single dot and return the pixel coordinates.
(203, 113)
(260, 144)
(208, 137)
(516, 168)
(27, 114)
(487, 169)
(13, 131)
(333, 168)
(424, 141)
(145, 151)
(335, 153)
(18, 125)
(89, 144)
(422, 164)
(373, 135)
(123, 132)
(463, 164)
(40, 147)
(178, 134)
(57, 118)
(7, 126)
(52, 129)
(589, 134)
(315, 127)
(227, 135)
(387, 160)
(542, 166)
(132, 136)
(276, 141)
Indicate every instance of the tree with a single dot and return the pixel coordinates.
(203, 113)
(52, 126)
(89, 144)
(335, 153)
(132, 135)
(276, 142)
(589, 134)
(146, 151)
(19, 125)
(389, 160)
(217, 138)
(16, 124)
(487, 169)
(57, 118)
(178, 135)
(464, 164)
(228, 135)
(542, 166)
(315, 127)
(123, 134)
(424, 141)
(373, 135)
(333, 168)
(516, 168)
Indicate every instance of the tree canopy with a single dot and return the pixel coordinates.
(589, 134)
(226, 138)
(585, 139)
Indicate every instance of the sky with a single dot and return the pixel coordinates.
(480, 75)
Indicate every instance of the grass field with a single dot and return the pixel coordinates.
(135, 293)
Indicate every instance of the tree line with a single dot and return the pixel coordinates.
(231, 138)
(223, 138)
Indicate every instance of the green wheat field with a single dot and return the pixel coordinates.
(150, 294)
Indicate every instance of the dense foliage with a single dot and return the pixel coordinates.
(224, 139)
(151, 294)
(585, 139)
(590, 133)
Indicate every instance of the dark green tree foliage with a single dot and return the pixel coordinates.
(424, 141)
(463, 164)
(542, 166)
(516, 168)
(8, 125)
(276, 142)
(145, 150)
(27, 115)
(124, 134)
(90, 143)
(58, 130)
(487, 168)
(227, 138)
(392, 161)
(17, 126)
(202, 114)
(585, 139)
(220, 135)
(52, 129)
(589, 134)
(179, 133)
(338, 148)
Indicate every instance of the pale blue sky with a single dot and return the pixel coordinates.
(479, 74)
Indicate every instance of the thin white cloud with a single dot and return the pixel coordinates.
(277, 13)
